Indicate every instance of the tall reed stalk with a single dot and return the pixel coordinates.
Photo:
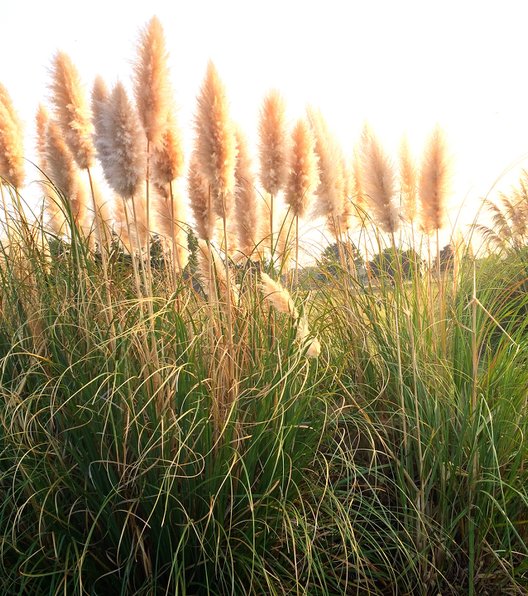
(433, 193)
(216, 155)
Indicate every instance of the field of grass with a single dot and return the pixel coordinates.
(183, 410)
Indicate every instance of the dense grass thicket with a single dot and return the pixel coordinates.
(167, 448)
(185, 409)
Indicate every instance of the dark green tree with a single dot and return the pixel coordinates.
(390, 261)
(447, 255)
(331, 261)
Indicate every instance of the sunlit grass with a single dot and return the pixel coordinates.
(185, 409)
(393, 463)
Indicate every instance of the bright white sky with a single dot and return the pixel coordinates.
(402, 65)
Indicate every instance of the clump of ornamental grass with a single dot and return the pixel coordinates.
(194, 437)
(415, 429)
(170, 498)
(508, 229)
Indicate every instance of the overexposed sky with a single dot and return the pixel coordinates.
(403, 65)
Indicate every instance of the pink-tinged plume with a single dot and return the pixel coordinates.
(332, 202)
(71, 110)
(167, 157)
(199, 197)
(434, 182)
(151, 83)
(120, 146)
(215, 142)
(303, 176)
(379, 183)
(247, 207)
(11, 142)
(273, 144)
(408, 182)
(65, 174)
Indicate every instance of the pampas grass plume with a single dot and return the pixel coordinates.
(11, 142)
(303, 335)
(273, 143)
(277, 296)
(331, 193)
(358, 192)
(120, 146)
(71, 110)
(408, 182)
(434, 182)
(52, 202)
(199, 197)
(314, 349)
(168, 223)
(151, 83)
(215, 142)
(64, 173)
(303, 176)
(167, 157)
(331, 183)
(212, 271)
(100, 96)
(42, 119)
(247, 207)
(379, 182)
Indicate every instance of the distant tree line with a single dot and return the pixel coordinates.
(388, 263)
